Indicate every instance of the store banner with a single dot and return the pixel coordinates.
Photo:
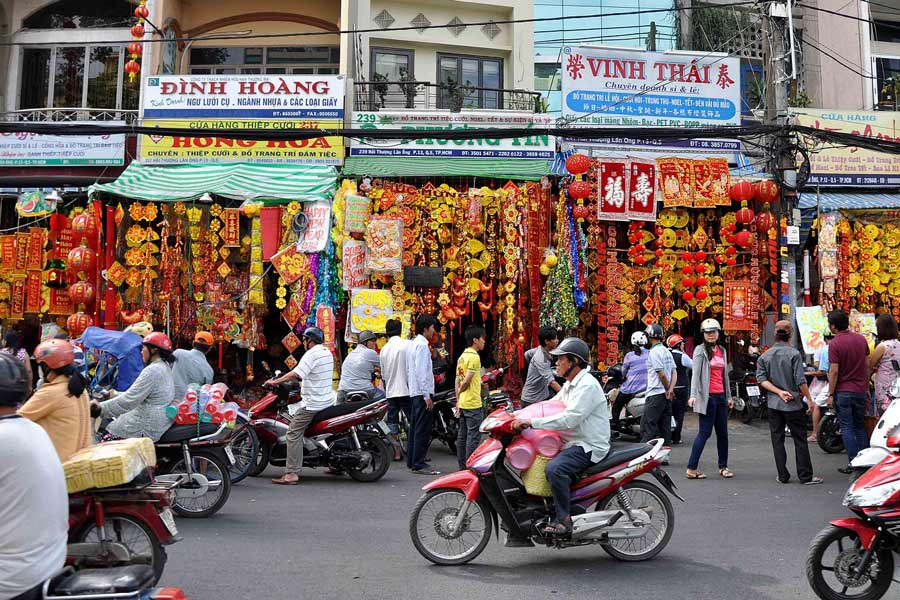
(244, 97)
(197, 150)
(8, 252)
(612, 182)
(850, 166)
(641, 190)
(33, 292)
(35, 259)
(231, 228)
(354, 264)
(736, 306)
(370, 309)
(384, 245)
(318, 215)
(676, 181)
(541, 145)
(621, 87)
(812, 324)
(40, 150)
(356, 213)
(17, 299)
(22, 240)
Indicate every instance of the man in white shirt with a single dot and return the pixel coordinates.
(191, 365)
(34, 505)
(315, 371)
(420, 381)
(661, 381)
(358, 368)
(584, 426)
(393, 372)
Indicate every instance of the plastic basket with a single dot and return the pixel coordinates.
(535, 477)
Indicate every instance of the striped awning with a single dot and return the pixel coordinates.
(239, 181)
(828, 201)
(417, 166)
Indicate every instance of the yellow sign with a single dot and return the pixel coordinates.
(853, 166)
(190, 149)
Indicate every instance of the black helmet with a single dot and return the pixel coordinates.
(13, 386)
(367, 336)
(573, 346)
(315, 334)
(655, 331)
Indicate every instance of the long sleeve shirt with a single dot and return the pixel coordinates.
(419, 368)
(782, 365)
(393, 367)
(140, 411)
(66, 420)
(585, 422)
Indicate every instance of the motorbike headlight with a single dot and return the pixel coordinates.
(871, 496)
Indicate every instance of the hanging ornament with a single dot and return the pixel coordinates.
(77, 323)
(82, 292)
(743, 238)
(741, 191)
(84, 224)
(765, 220)
(745, 215)
(701, 295)
(579, 189)
(687, 296)
(766, 192)
(578, 164)
(133, 67)
(81, 259)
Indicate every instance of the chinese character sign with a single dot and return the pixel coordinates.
(612, 182)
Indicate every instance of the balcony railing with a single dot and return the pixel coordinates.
(424, 95)
(70, 115)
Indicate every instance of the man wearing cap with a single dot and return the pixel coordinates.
(191, 365)
(780, 372)
(661, 380)
(358, 368)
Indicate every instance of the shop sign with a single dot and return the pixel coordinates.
(318, 215)
(354, 264)
(39, 150)
(244, 96)
(850, 165)
(370, 309)
(620, 87)
(538, 146)
(191, 149)
(812, 325)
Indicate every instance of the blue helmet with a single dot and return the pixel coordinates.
(315, 334)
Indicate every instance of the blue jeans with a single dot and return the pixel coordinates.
(469, 436)
(421, 421)
(561, 473)
(716, 417)
(851, 412)
(395, 405)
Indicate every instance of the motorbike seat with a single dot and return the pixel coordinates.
(96, 582)
(617, 454)
(179, 433)
(341, 409)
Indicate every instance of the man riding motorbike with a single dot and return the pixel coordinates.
(191, 366)
(358, 368)
(584, 426)
(140, 411)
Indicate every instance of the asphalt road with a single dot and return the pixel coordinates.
(336, 538)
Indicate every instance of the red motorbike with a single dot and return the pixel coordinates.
(630, 519)
(347, 437)
(854, 557)
(123, 525)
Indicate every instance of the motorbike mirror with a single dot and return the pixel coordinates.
(277, 373)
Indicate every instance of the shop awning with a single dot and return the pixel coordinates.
(416, 166)
(238, 181)
(828, 201)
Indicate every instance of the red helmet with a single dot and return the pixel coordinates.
(55, 353)
(159, 340)
(673, 340)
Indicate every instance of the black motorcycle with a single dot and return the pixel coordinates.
(829, 435)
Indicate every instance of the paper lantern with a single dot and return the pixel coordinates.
(132, 67)
(687, 257)
(81, 259)
(687, 296)
(700, 269)
(743, 238)
(731, 251)
(687, 282)
(701, 281)
(581, 212)
(84, 224)
(731, 261)
(659, 253)
(77, 323)
(742, 190)
(135, 49)
(640, 259)
(701, 295)
(137, 31)
(700, 255)
(142, 12)
(82, 292)
(745, 215)
(687, 269)
(579, 189)
(765, 220)
(766, 192)
(578, 164)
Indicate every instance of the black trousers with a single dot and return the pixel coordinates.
(795, 421)
(622, 399)
(657, 419)
(679, 406)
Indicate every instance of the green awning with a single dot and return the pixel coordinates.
(416, 166)
(239, 181)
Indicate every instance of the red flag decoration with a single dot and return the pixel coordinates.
(736, 306)
(231, 232)
(35, 260)
(17, 302)
(8, 252)
(641, 190)
(270, 227)
(22, 251)
(612, 191)
(33, 292)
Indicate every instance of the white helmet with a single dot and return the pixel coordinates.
(709, 325)
(638, 338)
(142, 328)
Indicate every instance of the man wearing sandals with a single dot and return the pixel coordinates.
(780, 372)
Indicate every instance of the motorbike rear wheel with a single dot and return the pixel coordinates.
(829, 435)
(381, 460)
(215, 471)
(262, 460)
(648, 497)
(831, 560)
(429, 527)
(244, 445)
(139, 539)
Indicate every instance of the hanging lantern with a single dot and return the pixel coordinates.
(81, 292)
(743, 238)
(137, 31)
(84, 224)
(745, 215)
(639, 259)
(142, 12)
(741, 191)
(700, 269)
(687, 282)
(579, 190)
(132, 67)
(700, 256)
(578, 164)
(687, 269)
(81, 259)
(77, 323)
(766, 192)
(765, 220)
(731, 262)
(687, 296)
(701, 295)
(701, 281)
(730, 251)
(135, 49)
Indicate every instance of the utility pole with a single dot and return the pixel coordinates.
(684, 23)
(651, 37)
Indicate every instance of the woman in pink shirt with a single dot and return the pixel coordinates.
(881, 363)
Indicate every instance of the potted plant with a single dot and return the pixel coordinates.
(409, 87)
(456, 94)
(379, 87)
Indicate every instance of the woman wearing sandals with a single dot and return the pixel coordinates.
(710, 398)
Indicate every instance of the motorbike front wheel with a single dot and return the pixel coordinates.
(141, 542)
(831, 562)
(244, 446)
(378, 466)
(432, 532)
(190, 499)
(647, 497)
(829, 435)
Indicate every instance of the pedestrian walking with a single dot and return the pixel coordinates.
(661, 380)
(420, 379)
(683, 366)
(634, 370)
(396, 388)
(710, 398)
(780, 372)
(468, 395)
(539, 380)
(848, 383)
(882, 364)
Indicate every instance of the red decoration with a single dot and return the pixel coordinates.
(745, 215)
(137, 31)
(730, 238)
(731, 262)
(659, 253)
(82, 292)
(766, 192)
(579, 189)
(765, 220)
(77, 323)
(720, 259)
(700, 255)
(731, 251)
(142, 12)
(701, 295)
(687, 282)
(687, 296)
(700, 269)
(687, 257)
(579, 211)
(135, 49)
(743, 238)
(742, 190)
(701, 281)
(640, 259)
(578, 164)
(81, 259)
(687, 269)
(132, 67)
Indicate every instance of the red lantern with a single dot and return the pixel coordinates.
(132, 67)
(687, 296)
(687, 269)
(81, 292)
(578, 164)
(701, 295)
(80, 259)
(142, 12)
(659, 253)
(84, 224)
(731, 262)
(700, 269)
(720, 259)
(743, 238)
(687, 282)
(135, 48)
(741, 190)
(701, 281)
(730, 251)
(765, 220)
(730, 238)
(77, 323)
(687, 257)
(700, 255)
(137, 31)
(639, 259)
(745, 215)
(766, 192)
(579, 189)
(580, 211)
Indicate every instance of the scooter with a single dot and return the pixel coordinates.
(120, 583)
(879, 446)
(122, 525)
(342, 437)
(611, 380)
(631, 519)
(829, 435)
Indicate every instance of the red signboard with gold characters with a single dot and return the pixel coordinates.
(736, 309)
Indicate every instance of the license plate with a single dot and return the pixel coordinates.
(752, 390)
(168, 520)
(230, 454)
(384, 428)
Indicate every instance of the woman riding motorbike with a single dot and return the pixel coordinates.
(140, 411)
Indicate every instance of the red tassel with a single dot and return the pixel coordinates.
(520, 352)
